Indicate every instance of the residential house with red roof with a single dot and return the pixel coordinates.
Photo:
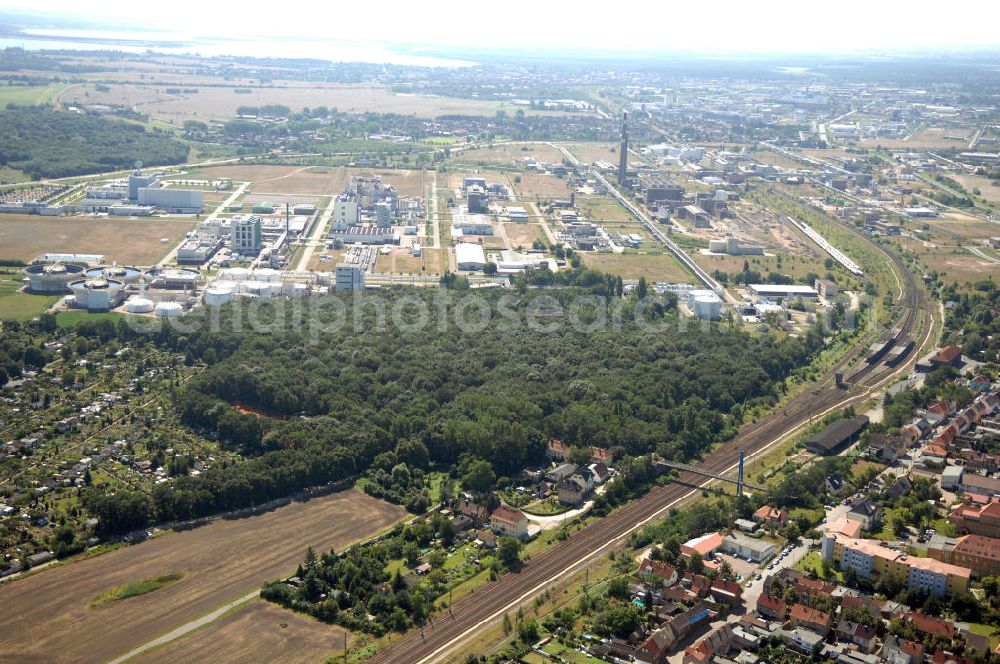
(509, 522)
(811, 619)
(666, 573)
(771, 607)
(771, 516)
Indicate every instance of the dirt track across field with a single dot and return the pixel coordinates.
(256, 632)
(46, 617)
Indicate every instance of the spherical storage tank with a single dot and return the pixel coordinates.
(138, 304)
(97, 294)
(219, 293)
(52, 277)
(127, 275)
(708, 307)
(168, 309)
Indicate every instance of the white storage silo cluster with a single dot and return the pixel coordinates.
(256, 288)
(704, 304)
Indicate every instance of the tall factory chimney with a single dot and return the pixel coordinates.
(623, 151)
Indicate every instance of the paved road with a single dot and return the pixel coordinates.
(316, 237)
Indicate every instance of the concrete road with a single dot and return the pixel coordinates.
(316, 237)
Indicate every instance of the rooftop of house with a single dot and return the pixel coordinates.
(948, 354)
(508, 514)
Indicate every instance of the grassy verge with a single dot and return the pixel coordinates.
(135, 589)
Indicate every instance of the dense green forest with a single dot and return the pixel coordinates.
(47, 144)
(434, 397)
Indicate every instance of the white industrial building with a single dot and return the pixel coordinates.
(178, 201)
(349, 278)
(517, 214)
(346, 210)
(731, 245)
(471, 224)
(363, 234)
(470, 257)
(776, 291)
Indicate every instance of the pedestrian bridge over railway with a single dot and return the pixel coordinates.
(708, 473)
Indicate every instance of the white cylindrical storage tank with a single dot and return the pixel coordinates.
(257, 288)
(168, 309)
(294, 289)
(220, 293)
(138, 304)
(695, 293)
(235, 274)
(267, 274)
(708, 307)
(70, 300)
(128, 275)
(52, 277)
(96, 294)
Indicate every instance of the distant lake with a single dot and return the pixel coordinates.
(264, 47)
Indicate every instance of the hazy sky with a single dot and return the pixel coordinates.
(660, 25)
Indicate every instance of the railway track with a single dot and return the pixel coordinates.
(478, 609)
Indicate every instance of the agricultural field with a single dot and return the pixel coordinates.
(655, 267)
(222, 561)
(125, 241)
(258, 631)
(222, 102)
(29, 95)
